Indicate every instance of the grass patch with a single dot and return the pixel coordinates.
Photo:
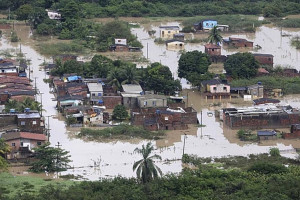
(239, 162)
(10, 185)
(61, 48)
(236, 23)
(289, 23)
(120, 132)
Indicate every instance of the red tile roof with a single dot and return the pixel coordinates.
(25, 135)
(212, 46)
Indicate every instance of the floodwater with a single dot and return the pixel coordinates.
(94, 160)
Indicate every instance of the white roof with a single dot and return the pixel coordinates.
(132, 88)
(129, 95)
(95, 87)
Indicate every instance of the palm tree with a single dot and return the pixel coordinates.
(130, 75)
(145, 168)
(114, 77)
(4, 148)
(214, 36)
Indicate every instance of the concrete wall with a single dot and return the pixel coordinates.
(168, 33)
(220, 88)
(32, 125)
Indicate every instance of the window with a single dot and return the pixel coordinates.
(169, 31)
(13, 144)
(21, 144)
(224, 88)
(154, 103)
(206, 24)
(34, 122)
(119, 40)
(214, 88)
(269, 59)
(99, 94)
(3, 71)
(145, 103)
(39, 143)
(212, 49)
(22, 123)
(93, 94)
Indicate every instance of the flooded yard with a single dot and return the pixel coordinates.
(94, 160)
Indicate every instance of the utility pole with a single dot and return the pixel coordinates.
(58, 146)
(48, 129)
(147, 50)
(183, 143)
(35, 88)
(201, 117)
(41, 103)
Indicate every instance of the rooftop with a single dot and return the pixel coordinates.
(170, 27)
(266, 133)
(95, 87)
(28, 115)
(261, 54)
(24, 135)
(132, 88)
(212, 46)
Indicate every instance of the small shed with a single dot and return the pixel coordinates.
(212, 49)
(264, 59)
(205, 24)
(267, 135)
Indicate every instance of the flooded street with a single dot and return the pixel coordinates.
(94, 160)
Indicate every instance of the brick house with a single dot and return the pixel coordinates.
(295, 132)
(154, 119)
(264, 59)
(30, 122)
(237, 42)
(212, 49)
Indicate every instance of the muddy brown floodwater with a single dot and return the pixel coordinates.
(94, 160)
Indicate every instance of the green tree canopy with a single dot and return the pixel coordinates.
(24, 12)
(120, 112)
(241, 65)
(145, 168)
(50, 159)
(159, 78)
(192, 64)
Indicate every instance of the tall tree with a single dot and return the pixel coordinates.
(114, 78)
(214, 36)
(193, 63)
(50, 159)
(241, 65)
(145, 168)
(130, 75)
(4, 149)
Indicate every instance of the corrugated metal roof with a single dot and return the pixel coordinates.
(132, 88)
(28, 115)
(25, 135)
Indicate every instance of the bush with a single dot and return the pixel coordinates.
(274, 152)
(268, 168)
(120, 112)
(14, 37)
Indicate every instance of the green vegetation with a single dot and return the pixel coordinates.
(155, 77)
(289, 85)
(215, 36)
(18, 187)
(247, 135)
(241, 65)
(254, 177)
(145, 168)
(61, 48)
(120, 112)
(20, 106)
(274, 152)
(194, 67)
(122, 131)
(295, 42)
(50, 159)
(4, 149)
(14, 37)
(289, 23)
(71, 120)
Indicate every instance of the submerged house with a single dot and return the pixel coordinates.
(216, 88)
(154, 119)
(152, 101)
(264, 59)
(168, 31)
(237, 42)
(294, 132)
(205, 25)
(174, 44)
(266, 135)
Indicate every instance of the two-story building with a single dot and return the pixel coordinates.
(95, 92)
(216, 88)
(168, 31)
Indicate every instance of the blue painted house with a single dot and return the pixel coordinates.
(205, 24)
